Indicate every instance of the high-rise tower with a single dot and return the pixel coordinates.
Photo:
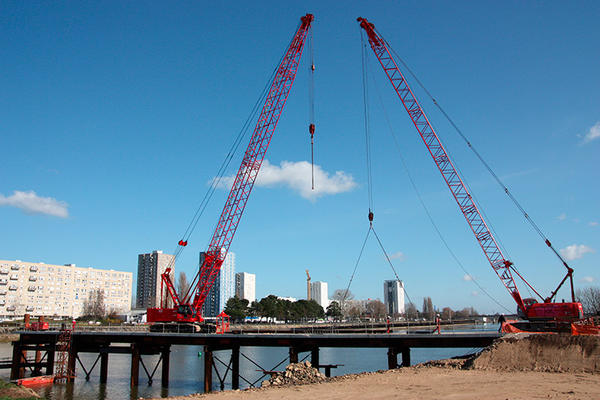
(223, 288)
(393, 295)
(150, 267)
(245, 286)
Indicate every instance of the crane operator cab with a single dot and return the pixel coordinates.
(528, 303)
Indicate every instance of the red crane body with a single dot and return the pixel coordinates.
(503, 267)
(188, 306)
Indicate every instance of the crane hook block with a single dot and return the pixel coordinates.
(182, 243)
(370, 216)
(311, 129)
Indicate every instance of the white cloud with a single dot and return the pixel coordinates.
(31, 203)
(588, 279)
(474, 293)
(297, 176)
(593, 223)
(593, 133)
(562, 217)
(397, 256)
(575, 251)
(467, 278)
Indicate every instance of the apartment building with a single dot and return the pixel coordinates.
(150, 268)
(59, 290)
(393, 295)
(318, 292)
(245, 286)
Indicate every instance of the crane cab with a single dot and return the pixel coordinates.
(551, 311)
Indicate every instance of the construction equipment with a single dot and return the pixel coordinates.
(186, 312)
(308, 296)
(527, 308)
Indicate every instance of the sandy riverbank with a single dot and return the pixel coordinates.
(432, 383)
(517, 367)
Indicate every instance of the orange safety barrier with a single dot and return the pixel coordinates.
(585, 327)
(507, 327)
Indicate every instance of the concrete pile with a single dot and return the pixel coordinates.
(296, 374)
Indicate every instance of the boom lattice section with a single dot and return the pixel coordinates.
(462, 196)
(251, 163)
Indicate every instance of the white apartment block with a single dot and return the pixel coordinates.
(318, 293)
(393, 295)
(150, 268)
(59, 290)
(245, 286)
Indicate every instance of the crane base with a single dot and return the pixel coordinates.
(537, 327)
(182, 327)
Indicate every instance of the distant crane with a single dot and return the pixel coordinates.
(307, 286)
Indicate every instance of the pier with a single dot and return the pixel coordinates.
(140, 344)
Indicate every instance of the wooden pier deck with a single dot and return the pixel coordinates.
(139, 344)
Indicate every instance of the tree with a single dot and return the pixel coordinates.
(93, 306)
(354, 311)
(182, 284)
(589, 298)
(334, 310)
(411, 311)
(269, 306)
(376, 309)
(253, 310)
(236, 308)
(342, 296)
(447, 313)
(428, 311)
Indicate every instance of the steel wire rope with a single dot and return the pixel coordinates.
(422, 202)
(485, 164)
(311, 105)
(390, 262)
(366, 119)
(356, 264)
(369, 180)
(487, 219)
(242, 133)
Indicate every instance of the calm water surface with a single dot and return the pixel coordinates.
(187, 369)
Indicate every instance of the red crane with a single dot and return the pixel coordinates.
(529, 308)
(188, 306)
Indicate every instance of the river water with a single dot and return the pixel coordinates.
(187, 369)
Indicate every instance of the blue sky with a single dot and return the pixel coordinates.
(117, 115)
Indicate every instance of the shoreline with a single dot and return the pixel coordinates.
(517, 366)
(429, 383)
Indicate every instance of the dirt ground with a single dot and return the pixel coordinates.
(432, 383)
(518, 367)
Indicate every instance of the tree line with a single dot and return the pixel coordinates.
(273, 307)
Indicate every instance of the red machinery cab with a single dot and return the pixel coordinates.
(551, 311)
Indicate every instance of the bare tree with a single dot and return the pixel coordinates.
(447, 313)
(342, 296)
(590, 299)
(182, 284)
(428, 311)
(93, 306)
(376, 309)
(411, 311)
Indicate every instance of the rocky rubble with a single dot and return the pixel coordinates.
(296, 374)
